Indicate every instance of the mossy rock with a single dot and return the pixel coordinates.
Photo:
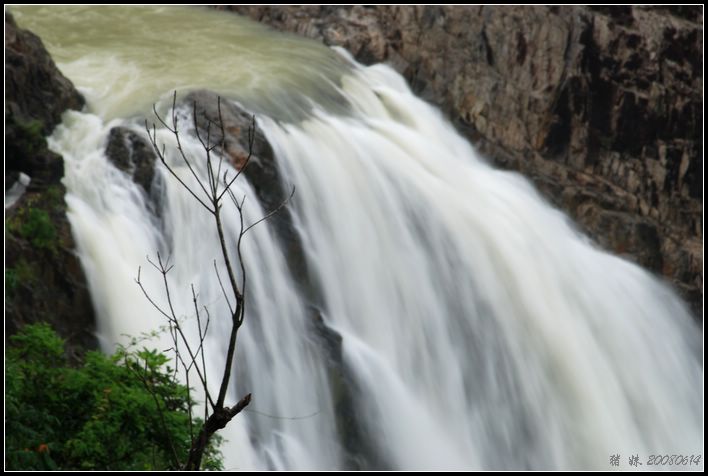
(44, 279)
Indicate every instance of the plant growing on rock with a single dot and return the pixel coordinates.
(210, 194)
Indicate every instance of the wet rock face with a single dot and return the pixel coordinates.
(238, 124)
(36, 94)
(133, 154)
(34, 87)
(262, 172)
(44, 280)
(600, 106)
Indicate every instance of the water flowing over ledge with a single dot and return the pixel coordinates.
(474, 326)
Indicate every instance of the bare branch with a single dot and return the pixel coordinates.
(218, 420)
(251, 141)
(272, 212)
(159, 118)
(207, 148)
(240, 260)
(154, 304)
(161, 156)
(223, 291)
(202, 336)
(200, 349)
(176, 329)
(223, 138)
(209, 196)
(189, 406)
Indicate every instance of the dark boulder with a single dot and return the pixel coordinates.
(133, 154)
(44, 280)
(262, 172)
(34, 88)
(36, 95)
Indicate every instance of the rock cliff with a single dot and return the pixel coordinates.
(44, 280)
(601, 107)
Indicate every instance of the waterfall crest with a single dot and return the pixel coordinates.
(474, 326)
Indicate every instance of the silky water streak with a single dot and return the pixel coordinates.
(482, 330)
(476, 328)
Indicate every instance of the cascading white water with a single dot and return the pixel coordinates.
(481, 328)
(478, 328)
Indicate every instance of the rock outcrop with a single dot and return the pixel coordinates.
(44, 280)
(261, 171)
(133, 154)
(34, 88)
(600, 106)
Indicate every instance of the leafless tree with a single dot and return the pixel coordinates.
(210, 194)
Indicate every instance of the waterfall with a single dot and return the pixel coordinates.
(480, 328)
(470, 324)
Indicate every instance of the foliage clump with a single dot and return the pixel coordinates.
(119, 412)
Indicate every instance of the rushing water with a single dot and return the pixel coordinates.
(478, 328)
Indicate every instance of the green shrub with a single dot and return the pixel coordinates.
(101, 416)
(53, 198)
(28, 137)
(38, 229)
(34, 225)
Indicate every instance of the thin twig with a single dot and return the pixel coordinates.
(272, 212)
(223, 291)
(212, 202)
(172, 318)
(251, 141)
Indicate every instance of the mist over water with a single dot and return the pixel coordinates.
(476, 328)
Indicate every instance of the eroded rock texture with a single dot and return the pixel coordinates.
(601, 107)
(44, 280)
